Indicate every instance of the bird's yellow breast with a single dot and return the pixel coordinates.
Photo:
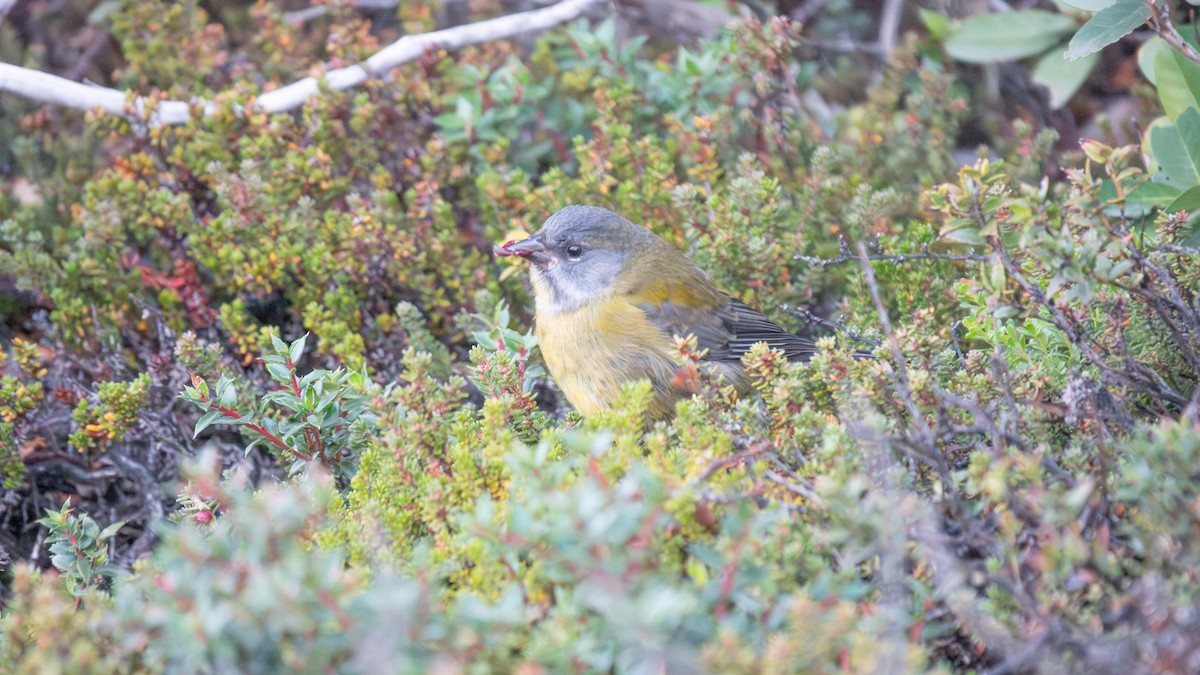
(595, 348)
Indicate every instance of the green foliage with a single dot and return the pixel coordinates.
(320, 417)
(103, 423)
(1062, 69)
(990, 37)
(11, 466)
(21, 393)
(79, 549)
(252, 567)
(45, 630)
(1108, 25)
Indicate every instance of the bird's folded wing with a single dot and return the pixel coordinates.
(751, 326)
(726, 328)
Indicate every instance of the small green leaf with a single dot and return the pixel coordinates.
(1107, 26)
(1088, 5)
(1008, 36)
(1178, 79)
(297, 349)
(61, 547)
(283, 398)
(206, 420)
(1169, 145)
(1063, 77)
(255, 443)
(1188, 124)
(962, 230)
(109, 531)
(1153, 193)
(1188, 201)
(279, 372)
(1132, 206)
(449, 122)
(937, 23)
(1148, 55)
(103, 11)
(465, 112)
(227, 396)
(964, 235)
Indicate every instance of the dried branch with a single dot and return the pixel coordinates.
(1169, 307)
(838, 326)
(39, 86)
(889, 26)
(1176, 248)
(881, 48)
(1162, 25)
(845, 255)
(955, 330)
(792, 486)
(1137, 376)
(923, 436)
(808, 10)
(303, 16)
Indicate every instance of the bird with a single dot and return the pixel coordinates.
(609, 298)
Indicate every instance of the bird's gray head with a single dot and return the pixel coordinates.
(578, 255)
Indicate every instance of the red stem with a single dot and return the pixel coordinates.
(295, 383)
(233, 414)
(312, 438)
(728, 573)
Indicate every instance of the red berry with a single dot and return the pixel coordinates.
(204, 517)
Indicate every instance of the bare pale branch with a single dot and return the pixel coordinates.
(40, 86)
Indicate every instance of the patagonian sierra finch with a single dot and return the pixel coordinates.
(610, 296)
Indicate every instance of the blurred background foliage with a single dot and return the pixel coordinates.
(268, 402)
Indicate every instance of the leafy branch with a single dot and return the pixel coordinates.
(323, 411)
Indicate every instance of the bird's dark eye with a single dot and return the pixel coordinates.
(574, 251)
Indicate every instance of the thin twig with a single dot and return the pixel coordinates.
(846, 255)
(881, 48)
(1072, 331)
(808, 10)
(302, 16)
(730, 462)
(894, 258)
(1164, 26)
(805, 315)
(99, 41)
(1021, 661)
(1177, 248)
(954, 330)
(846, 46)
(889, 26)
(796, 488)
(925, 437)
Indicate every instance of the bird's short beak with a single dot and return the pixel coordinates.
(531, 248)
